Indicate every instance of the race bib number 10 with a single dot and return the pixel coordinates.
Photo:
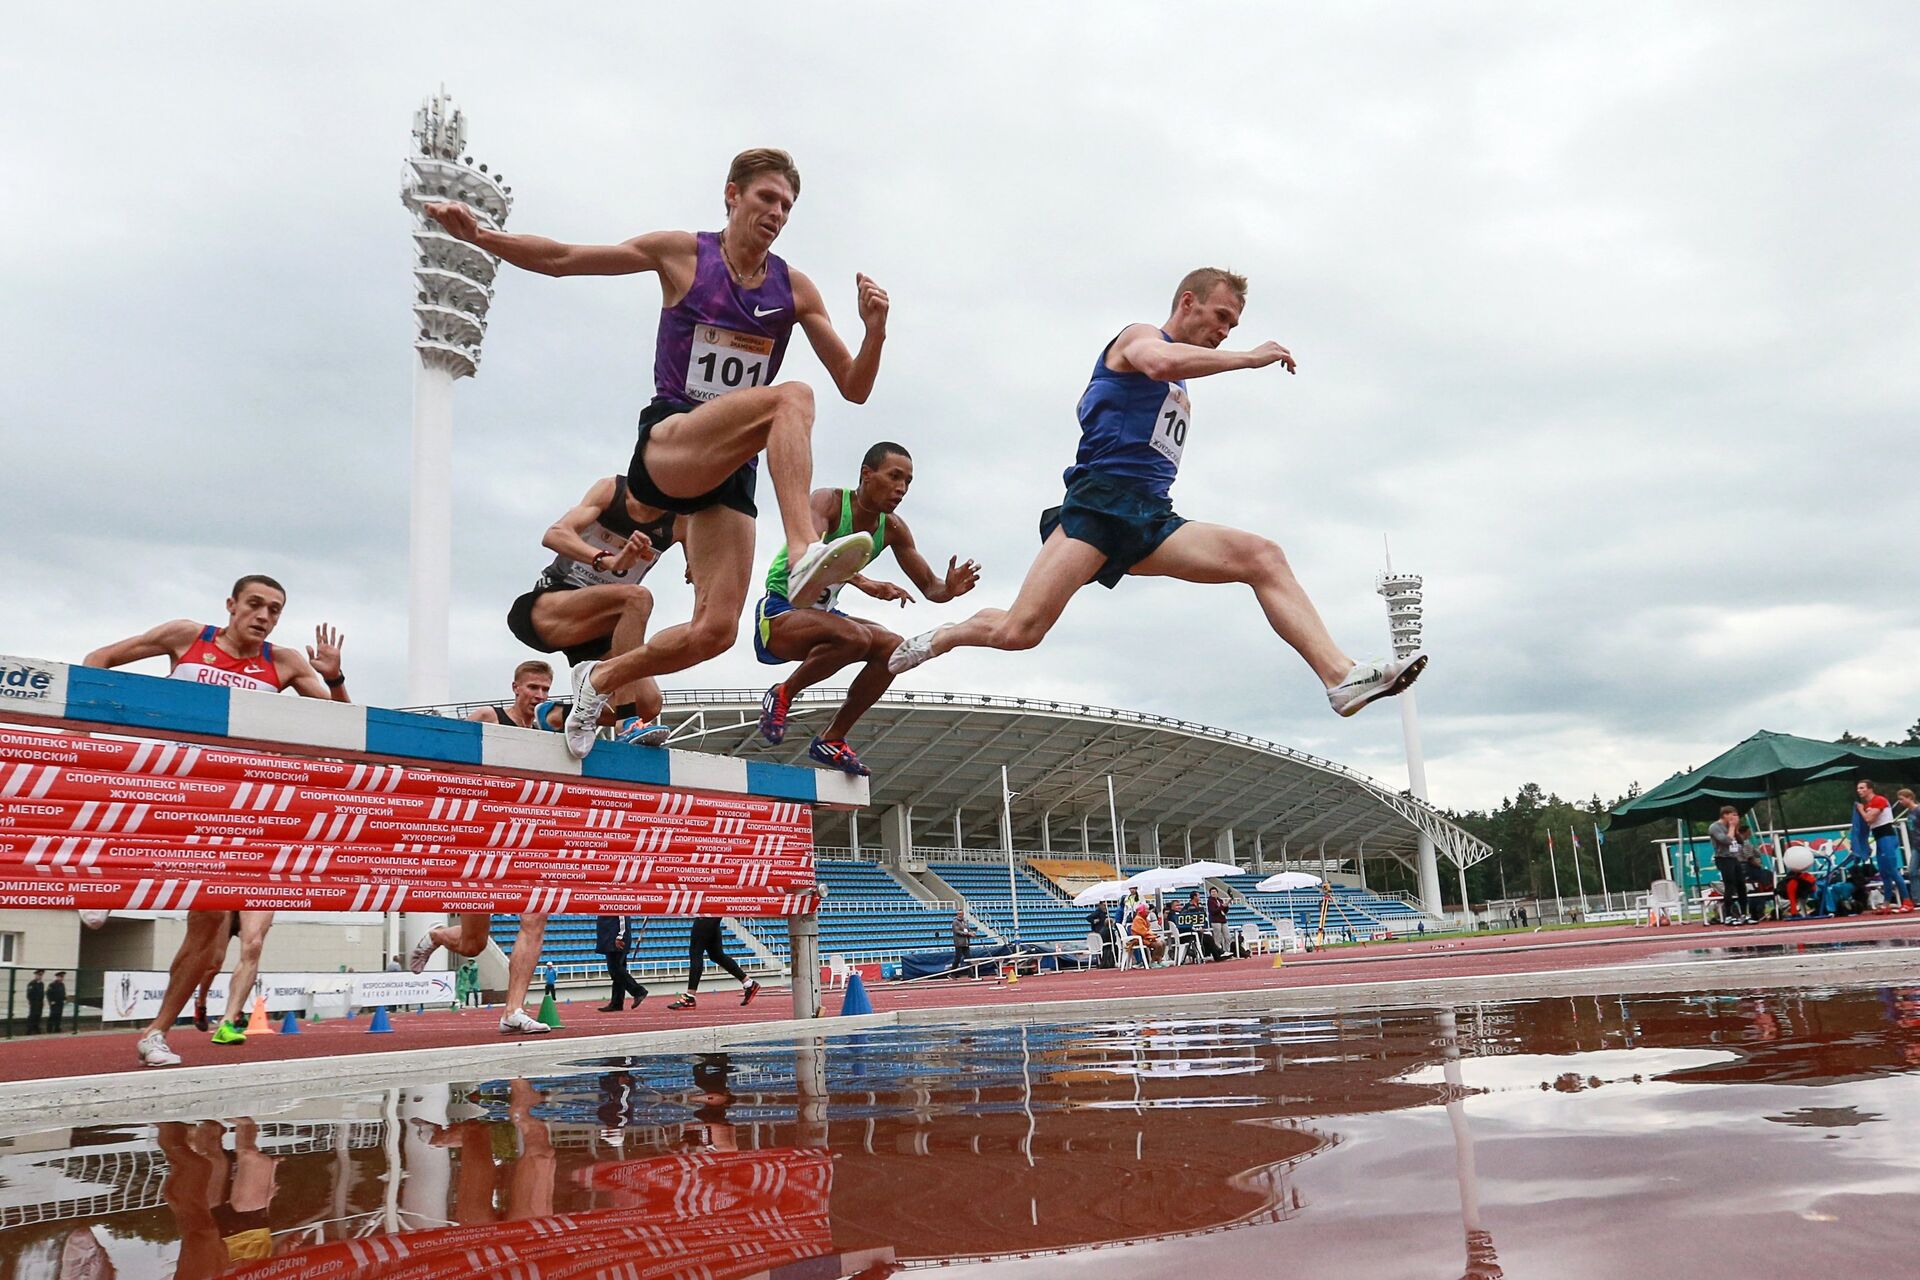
(1170, 428)
(724, 361)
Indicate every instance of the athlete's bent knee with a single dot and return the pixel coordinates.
(1268, 563)
(711, 635)
(639, 601)
(796, 397)
(1017, 633)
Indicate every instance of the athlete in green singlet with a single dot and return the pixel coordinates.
(822, 639)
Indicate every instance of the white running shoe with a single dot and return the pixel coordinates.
(95, 919)
(1369, 681)
(154, 1051)
(912, 653)
(825, 565)
(422, 952)
(583, 722)
(522, 1023)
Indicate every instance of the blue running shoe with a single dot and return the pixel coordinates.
(773, 714)
(839, 755)
(634, 730)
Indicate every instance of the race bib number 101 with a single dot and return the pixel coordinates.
(723, 361)
(1170, 428)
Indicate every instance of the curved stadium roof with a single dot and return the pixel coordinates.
(941, 753)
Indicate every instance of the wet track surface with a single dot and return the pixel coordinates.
(1705, 1134)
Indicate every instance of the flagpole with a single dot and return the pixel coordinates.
(1600, 860)
(1559, 908)
(1579, 880)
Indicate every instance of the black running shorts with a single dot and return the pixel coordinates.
(736, 491)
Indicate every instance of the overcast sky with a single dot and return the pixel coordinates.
(1605, 317)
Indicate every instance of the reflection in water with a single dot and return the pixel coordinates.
(1173, 1140)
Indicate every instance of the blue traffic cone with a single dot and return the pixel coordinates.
(380, 1022)
(856, 998)
(289, 1025)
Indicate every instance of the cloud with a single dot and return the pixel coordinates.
(1596, 316)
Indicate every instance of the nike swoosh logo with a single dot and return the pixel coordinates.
(758, 311)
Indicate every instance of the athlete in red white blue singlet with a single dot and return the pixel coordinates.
(235, 656)
(205, 662)
(729, 306)
(1117, 516)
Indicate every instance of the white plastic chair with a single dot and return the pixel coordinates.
(1663, 901)
(1253, 940)
(838, 971)
(1134, 953)
(1286, 937)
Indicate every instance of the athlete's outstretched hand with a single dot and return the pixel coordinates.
(324, 652)
(1271, 353)
(638, 549)
(873, 303)
(885, 590)
(457, 219)
(961, 578)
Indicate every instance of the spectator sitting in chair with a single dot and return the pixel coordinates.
(1099, 922)
(1800, 890)
(1192, 917)
(1141, 930)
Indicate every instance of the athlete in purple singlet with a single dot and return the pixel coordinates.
(729, 307)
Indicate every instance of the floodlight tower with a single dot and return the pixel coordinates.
(1403, 592)
(453, 286)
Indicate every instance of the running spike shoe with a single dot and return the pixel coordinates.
(839, 755)
(583, 721)
(773, 714)
(1371, 681)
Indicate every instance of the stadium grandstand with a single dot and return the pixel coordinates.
(1098, 794)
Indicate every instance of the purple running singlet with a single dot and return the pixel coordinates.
(721, 337)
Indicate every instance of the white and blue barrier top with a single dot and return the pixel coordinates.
(123, 702)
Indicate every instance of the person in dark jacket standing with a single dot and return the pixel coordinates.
(962, 942)
(36, 1000)
(612, 937)
(56, 999)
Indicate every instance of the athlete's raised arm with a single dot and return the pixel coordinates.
(938, 588)
(852, 374)
(563, 535)
(1141, 349)
(169, 639)
(671, 253)
(319, 674)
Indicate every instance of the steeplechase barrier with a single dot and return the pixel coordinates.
(208, 798)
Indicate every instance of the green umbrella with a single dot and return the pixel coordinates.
(1759, 768)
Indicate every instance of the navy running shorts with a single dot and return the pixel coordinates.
(1125, 522)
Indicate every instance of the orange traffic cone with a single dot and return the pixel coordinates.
(257, 1024)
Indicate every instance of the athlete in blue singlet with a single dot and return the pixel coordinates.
(1117, 517)
(728, 308)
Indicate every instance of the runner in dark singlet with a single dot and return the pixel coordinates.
(1117, 518)
(729, 306)
(237, 656)
(589, 602)
(824, 640)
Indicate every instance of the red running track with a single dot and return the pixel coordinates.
(51, 1057)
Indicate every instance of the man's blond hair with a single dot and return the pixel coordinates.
(750, 164)
(1202, 281)
(532, 667)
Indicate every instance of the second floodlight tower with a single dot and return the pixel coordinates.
(1403, 592)
(453, 287)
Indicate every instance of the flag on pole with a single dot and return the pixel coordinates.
(1600, 860)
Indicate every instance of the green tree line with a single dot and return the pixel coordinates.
(1517, 831)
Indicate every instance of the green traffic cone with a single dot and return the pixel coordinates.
(549, 1013)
